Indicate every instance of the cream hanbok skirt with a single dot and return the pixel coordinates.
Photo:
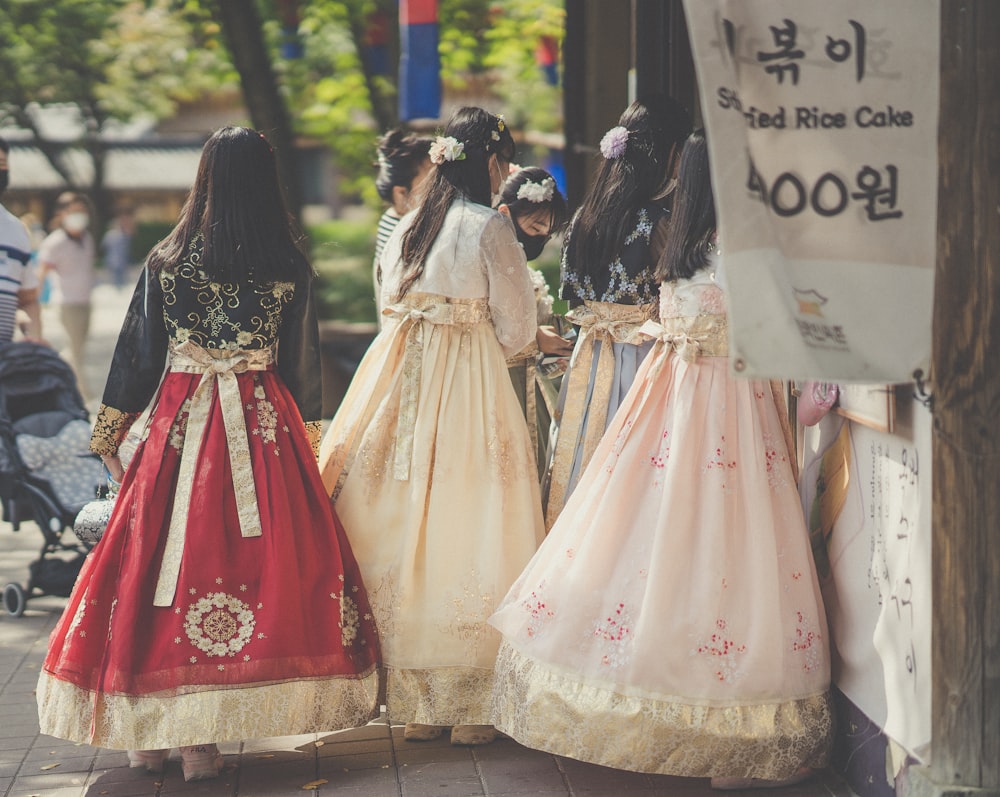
(431, 468)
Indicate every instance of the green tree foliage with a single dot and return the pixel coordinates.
(113, 60)
(487, 54)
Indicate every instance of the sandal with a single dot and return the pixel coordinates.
(418, 732)
(473, 734)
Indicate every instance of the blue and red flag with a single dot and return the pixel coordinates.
(419, 62)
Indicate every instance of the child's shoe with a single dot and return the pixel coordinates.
(151, 760)
(201, 762)
(418, 732)
(473, 734)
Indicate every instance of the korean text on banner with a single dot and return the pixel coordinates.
(822, 127)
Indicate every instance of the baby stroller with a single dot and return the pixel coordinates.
(47, 472)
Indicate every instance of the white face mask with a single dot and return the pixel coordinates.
(75, 222)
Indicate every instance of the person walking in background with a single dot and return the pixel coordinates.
(68, 253)
(116, 247)
(223, 601)
(530, 198)
(608, 264)
(672, 621)
(19, 283)
(403, 163)
(428, 459)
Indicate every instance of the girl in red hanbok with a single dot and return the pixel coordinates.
(224, 601)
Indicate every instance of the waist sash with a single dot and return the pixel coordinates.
(217, 367)
(608, 323)
(414, 313)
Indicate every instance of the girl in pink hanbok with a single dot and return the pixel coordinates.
(672, 622)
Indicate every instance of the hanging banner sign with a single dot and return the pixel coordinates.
(822, 123)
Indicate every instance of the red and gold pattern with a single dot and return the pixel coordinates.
(264, 635)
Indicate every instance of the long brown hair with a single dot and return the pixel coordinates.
(236, 213)
(483, 134)
(657, 126)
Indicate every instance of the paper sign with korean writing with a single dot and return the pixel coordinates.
(822, 126)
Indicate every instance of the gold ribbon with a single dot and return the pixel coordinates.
(218, 367)
(608, 323)
(413, 313)
(691, 337)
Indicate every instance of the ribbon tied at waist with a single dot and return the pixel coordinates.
(607, 322)
(217, 367)
(414, 313)
(691, 337)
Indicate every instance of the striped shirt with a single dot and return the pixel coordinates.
(15, 275)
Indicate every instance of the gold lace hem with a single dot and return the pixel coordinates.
(110, 429)
(314, 433)
(550, 710)
(130, 722)
(439, 696)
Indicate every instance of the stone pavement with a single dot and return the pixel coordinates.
(373, 761)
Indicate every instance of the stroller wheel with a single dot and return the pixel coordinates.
(14, 600)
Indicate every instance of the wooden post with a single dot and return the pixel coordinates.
(965, 743)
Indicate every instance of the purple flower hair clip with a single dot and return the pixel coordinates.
(614, 142)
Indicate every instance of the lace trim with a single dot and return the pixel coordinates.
(131, 722)
(110, 429)
(558, 713)
(439, 696)
(314, 432)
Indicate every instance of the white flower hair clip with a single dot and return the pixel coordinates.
(614, 142)
(446, 148)
(537, 192)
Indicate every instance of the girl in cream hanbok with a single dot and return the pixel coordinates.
(428, 459)
(672, 622)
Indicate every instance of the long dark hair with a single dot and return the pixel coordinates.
(236, 213)
(657, 126)
(520, 207)
(693, 223)
(482, 134)
(399, 159)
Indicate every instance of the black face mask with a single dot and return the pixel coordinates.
(4, 177)
(533, 244)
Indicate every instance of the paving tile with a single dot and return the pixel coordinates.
(46, 782)
(589, 778)
(443, 778)
(100, 786)
(46, 753)
(273, 743)
(264, 758)
(62, 792)
(223, 786)
(271, 781)
(15, 745)
(375, 759)
(469, 787)
(360, 782)
(360, 746)
(513, 773)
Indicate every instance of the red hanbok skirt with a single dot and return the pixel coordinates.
(266, 635)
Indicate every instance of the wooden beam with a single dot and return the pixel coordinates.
(965, 744)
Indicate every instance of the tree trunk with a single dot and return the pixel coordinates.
(241, 24)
